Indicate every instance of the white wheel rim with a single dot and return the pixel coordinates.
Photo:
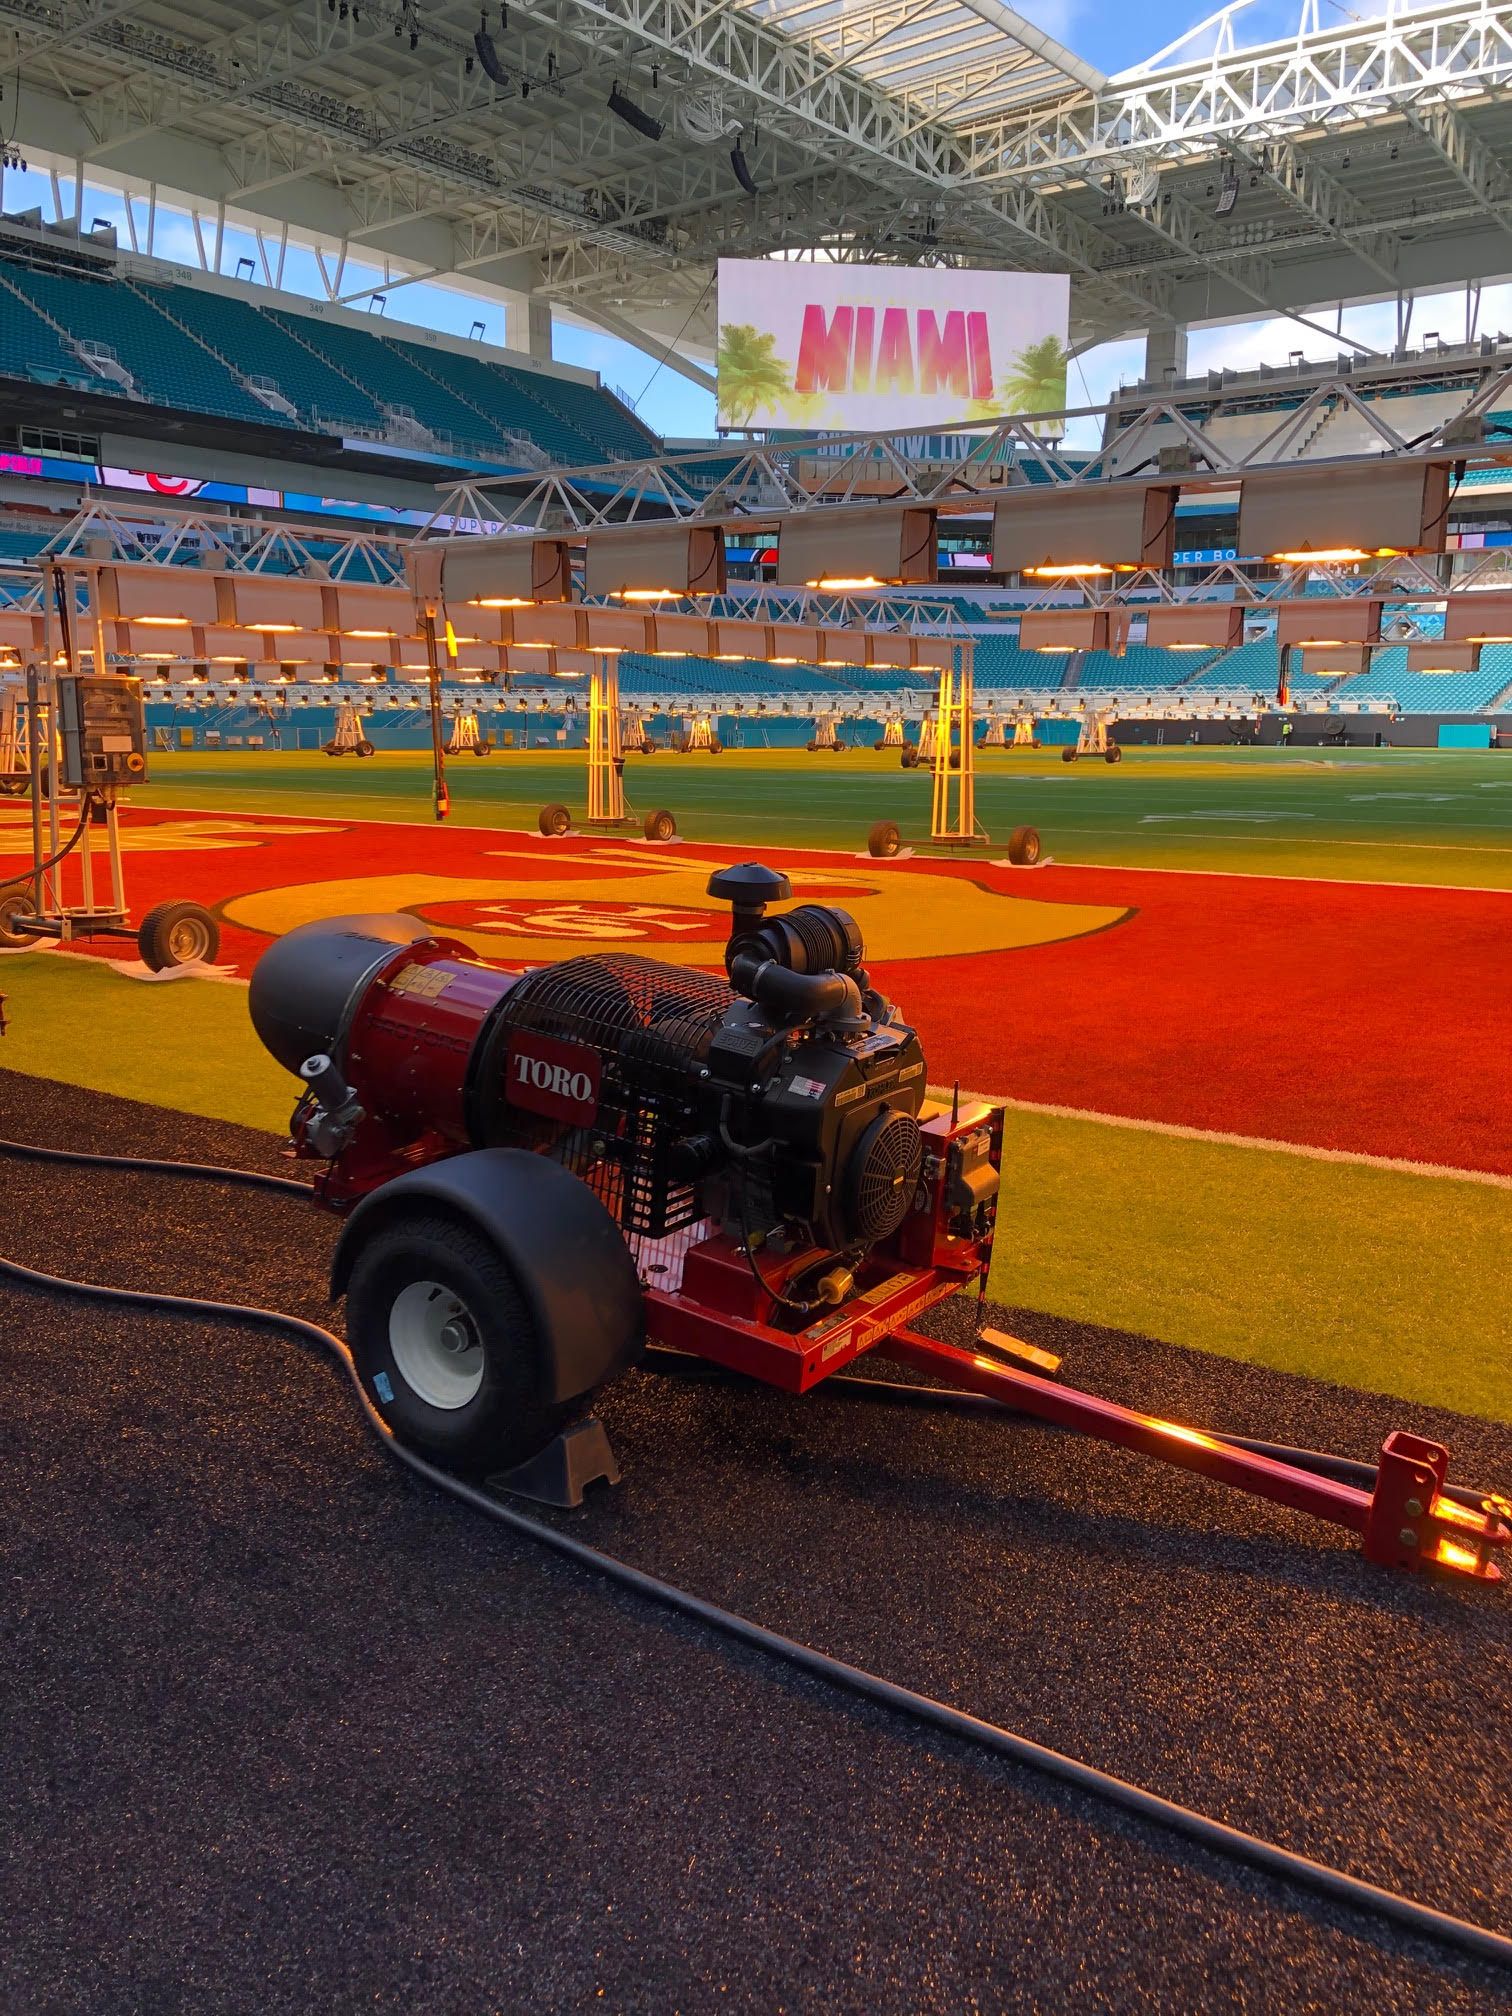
(435, 1346)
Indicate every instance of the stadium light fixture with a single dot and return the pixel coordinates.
(1186, 626)
(794, 644)
(1478, 617)
(1050, 630)
(1329, 621)
(166, 598)
(655, 563)
(1071, 533)
(616, 630)
(889, 651)
(273, 605)
(563, 628)
(1335, 660)
(733, 642)
(677, 636)
(1433, 655)
(1328, 515)
(510, 571)
(841, 550)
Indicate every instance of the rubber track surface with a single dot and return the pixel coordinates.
(288, 1731)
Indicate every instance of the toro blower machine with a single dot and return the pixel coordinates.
(543, 1171)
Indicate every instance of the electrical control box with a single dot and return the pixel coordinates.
(102, 731)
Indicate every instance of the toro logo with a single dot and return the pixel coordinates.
(547, 1076)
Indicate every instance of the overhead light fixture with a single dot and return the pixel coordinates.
(1331, 621)
(655, 563)
(1433, 655)
(742, 169)
(1478, 617)
(1188, 626)
(562, 628)
(169, 597)
(1327, 515)
(1065, 630)
(626, 108)
(677, 636)
(1091, 530)
(734, 642)
(508, 571)
(1335, 660)
(846, 549)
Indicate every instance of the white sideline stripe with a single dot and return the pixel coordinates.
(1327, 881)
(1395, 1164)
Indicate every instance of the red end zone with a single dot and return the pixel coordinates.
(1344, 1016)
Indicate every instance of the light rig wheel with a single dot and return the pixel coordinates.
(365, 748)
(15, 902)
(554, 821)
(1068, 754)
(1024, 846)
(1113, 753)
(446, 1347)
(909, 760)
(177, 934)
(482, 749)
(660, 825)
(884, 840)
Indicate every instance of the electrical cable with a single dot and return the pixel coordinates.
(1423, 1919)
(41, 867)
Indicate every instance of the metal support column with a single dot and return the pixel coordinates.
(953, 814)
(606, 761)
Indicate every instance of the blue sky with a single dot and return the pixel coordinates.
(1122, 38)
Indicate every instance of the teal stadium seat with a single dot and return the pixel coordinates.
(168, 367)
(258, 346)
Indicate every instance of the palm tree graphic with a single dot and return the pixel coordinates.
(751, 374)
(1036, 381)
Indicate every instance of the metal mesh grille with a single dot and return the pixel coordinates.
(651, 1025)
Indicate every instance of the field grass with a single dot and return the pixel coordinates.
(1426, 816)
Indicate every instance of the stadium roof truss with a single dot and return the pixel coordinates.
(1370, 158)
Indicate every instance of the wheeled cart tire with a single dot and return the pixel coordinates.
(482, 749)
(365, 748)
(1113, 753)
(659, 825)
(1024, 846)
(446, 1347)
(909, 760)
(884, 839)
(177, 934)
(554, 821)
(15, 901)
(1068, 755)
(812, 748)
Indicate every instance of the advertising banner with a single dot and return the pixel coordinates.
(886, 349)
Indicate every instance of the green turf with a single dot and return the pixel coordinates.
(1370, 1277)
(186, 1044)
(1365, 1276)
(1360, 815)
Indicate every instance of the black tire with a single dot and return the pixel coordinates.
(330, 749)
(554, 821)
(660, 825)
(482, 749)
(1113, 754)
(955, 759)
(15, 901)
(884, 745)
(1068, 754)
(404, 1375)
(884, 840)
(811, 747)
(365, 748)
(177, 934)
(1036, 743)
(1024, 846)
(909, 760)
(716, 747)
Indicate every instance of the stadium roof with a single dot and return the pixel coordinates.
(947, 59)
(1367, 158)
